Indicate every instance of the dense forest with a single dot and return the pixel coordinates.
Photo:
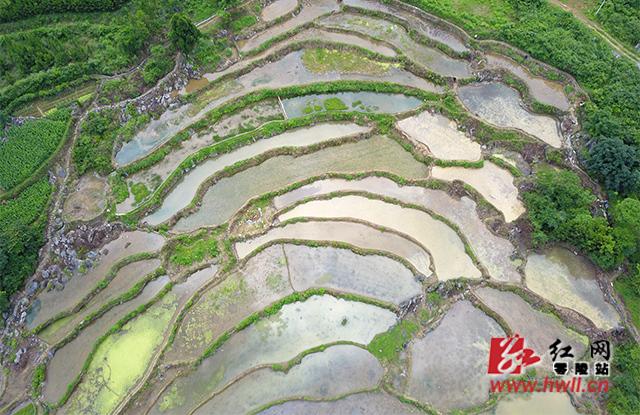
(621, 18)
(19, 9)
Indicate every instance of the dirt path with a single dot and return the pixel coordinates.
(614, 43)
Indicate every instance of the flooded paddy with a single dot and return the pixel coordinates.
(51, 303)
(538, 328)
(311, 10)
(447, 249)
(441, 136)
(295, 328)
(284, 72)
(534, 404)
(310, 34)
(491, 250)
(367, 403)
(68, 360)
(330, 374)
(543, 90)
(154, 134)
(244, 120)
(502, 106)
(186, 189)
(228, 195)
(121, 361)
(459, 345)
(371, 276)
(424, 27)
(353, 101)
(427, 57)
(278, 9)
(569, 280)
(261, 281)
(88, 200)
(126, 278)
(493, 183)
(357, 234)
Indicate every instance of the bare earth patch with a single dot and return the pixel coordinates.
(88, 200)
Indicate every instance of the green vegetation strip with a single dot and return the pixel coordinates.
(187, 250)
(238, 104)
(101, 285)
(129, 295)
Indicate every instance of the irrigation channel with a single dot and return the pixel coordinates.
(332, 223)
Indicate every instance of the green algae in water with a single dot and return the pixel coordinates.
(276, 282)
(121, 360)
(52, 329)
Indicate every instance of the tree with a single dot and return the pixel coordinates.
(557, 197)
(559, 209)
(626, 222)
(4, 302)
(615, 164)
(183, 34)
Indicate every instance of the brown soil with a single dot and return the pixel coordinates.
(88, 199)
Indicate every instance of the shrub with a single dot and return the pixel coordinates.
(182, 33)
(624, 395)
(559, 210)
(615, 164)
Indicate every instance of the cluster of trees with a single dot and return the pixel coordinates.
(560, 208)
(19, 9)
(42, 61)
(621, 18)
(624, 396)
(95, 143)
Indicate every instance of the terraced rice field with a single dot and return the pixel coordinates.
(328, 226)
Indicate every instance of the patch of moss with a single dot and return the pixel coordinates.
(334, 104)
(325, 60)
(387, 346)
(191, 251)
(140, 192)
(27, 410)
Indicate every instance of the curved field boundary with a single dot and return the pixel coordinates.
(285, 367)
(467, 247)
(74, 384)
(534, 66)
(272, 310)
(430, 183)
(157, 196)
(316, 243)
(101, 285)
(243, 102)
(106, 307)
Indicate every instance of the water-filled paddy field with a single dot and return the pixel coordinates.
(306, 247)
